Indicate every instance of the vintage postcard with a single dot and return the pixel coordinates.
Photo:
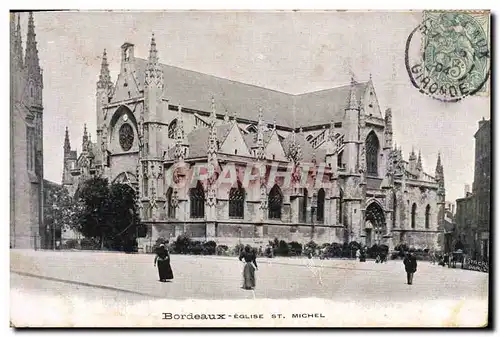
(250, 168)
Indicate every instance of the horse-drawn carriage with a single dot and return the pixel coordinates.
(451, 259)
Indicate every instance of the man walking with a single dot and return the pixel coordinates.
(410, 263)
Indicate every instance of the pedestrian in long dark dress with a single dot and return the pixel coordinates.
(162, 259)
(249, 256)
(410, 263)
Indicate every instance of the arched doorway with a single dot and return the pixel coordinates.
(375, 226)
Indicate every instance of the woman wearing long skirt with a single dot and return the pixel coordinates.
(162, 259)
(248, 256)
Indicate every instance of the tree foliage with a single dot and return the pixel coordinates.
(60, 209)
(109, 213)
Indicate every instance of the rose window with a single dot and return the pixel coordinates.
(126, 137)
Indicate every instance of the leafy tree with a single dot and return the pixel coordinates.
(94, 193)
(122, 215)
(108, 213)
(60, 209)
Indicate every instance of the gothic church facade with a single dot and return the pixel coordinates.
(154, 117)
(26, 138)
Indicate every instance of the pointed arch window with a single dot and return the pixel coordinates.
(413, 215)
(251, 128)
(145, 182)
(275, 203)
(395, 205)
(339, 159)
(341, 206)
(170, 206)
(303, 207)
(172, 128)
(372, 149)
(237, 202)
(197, 201)
(427, 216)
(320, 211)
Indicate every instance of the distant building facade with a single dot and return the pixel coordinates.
(473, 211)
(155, 117)
(26, 142)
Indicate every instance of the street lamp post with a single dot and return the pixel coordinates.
(54, 206)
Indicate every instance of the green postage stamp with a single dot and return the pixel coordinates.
(448, 54)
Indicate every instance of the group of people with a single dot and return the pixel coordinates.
(249, 256)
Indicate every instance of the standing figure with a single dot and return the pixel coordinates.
(248, 254)
(410, 263)
(162, 258)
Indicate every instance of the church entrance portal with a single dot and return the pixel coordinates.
(375, 226)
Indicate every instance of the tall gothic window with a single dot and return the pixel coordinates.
(145, 187)
(197, 201)
(303, 207)
(413, 215)
(372, 147)
(237, 202)
(341, 206)
(427, 216)
(170, 207)
(320, 210)
(339, 159)
(275, 203)
(171, 129)
(395, 208)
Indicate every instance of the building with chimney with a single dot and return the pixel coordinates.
(154, 120)
(26, 138)
(473, 210)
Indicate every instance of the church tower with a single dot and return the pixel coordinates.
(151, 156)
(441, 195)
(104, 88)
(26, 138)
(353, 177)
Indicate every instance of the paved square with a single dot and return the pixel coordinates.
(132, 279)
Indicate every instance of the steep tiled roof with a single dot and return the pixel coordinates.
(198, 140)
(195, 90)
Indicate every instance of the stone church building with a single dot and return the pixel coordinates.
(26, 138)
(156, 123)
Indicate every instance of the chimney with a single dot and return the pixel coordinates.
(127, 55)
(467, 190)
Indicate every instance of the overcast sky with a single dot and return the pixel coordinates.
(293, 52)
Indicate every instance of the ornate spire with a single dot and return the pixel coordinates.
(388, 128)
(352, 103)
(260, 136)
(85, 138)
(67, 145)
(440, 174)
(294, 151)
(213, 115)
(226, 117)
(17, 47)
(154, 74)
(104, 77)
(212, 137)
(153, 53)
(412, 156)
(179, 153)
(32, 62)
(274, 123)
(419, 161)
